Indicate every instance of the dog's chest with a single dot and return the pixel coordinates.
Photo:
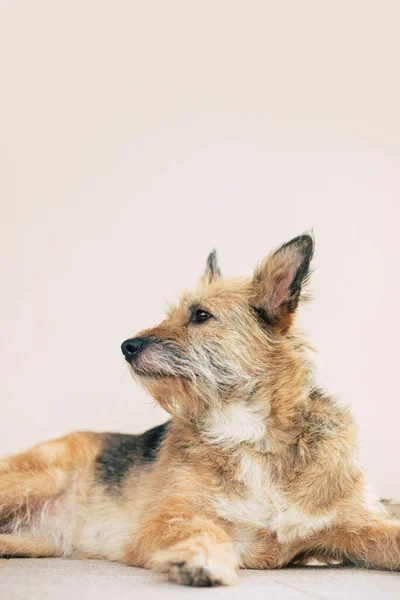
(248, 499)
(259, 504)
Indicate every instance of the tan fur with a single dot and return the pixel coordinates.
(257, 468)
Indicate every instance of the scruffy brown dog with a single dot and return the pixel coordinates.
(255, 469)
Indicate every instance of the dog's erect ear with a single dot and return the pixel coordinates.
(212, 271)
(278, 280)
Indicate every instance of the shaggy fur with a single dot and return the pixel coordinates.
(255, 469)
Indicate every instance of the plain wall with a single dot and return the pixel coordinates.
(136, 136)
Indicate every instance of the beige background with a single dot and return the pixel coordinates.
(135, 136)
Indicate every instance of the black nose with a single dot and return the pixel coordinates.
(132, 346)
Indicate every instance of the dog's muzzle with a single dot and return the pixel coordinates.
(132, 347)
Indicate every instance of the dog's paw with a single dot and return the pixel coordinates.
(195, 569)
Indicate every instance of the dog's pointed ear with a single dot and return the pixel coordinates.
(278, 280)
(212, 271)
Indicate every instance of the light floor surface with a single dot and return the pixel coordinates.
(66, 579)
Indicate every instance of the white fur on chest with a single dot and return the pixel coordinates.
(263, 505)
(235, 424)
(266, 508)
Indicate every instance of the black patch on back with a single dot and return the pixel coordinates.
(121, 452)
(151, 441)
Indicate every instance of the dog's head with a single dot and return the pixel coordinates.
(220, 342)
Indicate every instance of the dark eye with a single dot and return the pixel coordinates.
(200, 316)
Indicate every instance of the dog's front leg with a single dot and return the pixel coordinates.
(205, 557)
(375, 544)
(191, 550)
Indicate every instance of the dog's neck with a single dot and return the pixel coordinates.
(265, 414)
(260, 425)
(235, 424)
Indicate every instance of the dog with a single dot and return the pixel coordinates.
(255, 469)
